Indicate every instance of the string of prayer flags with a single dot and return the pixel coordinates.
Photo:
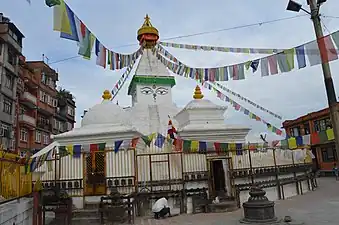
(240, 108)
(315, 138)
(282, 61)
(120, 83)
(221, 49)
(246, 100)
(72, 28)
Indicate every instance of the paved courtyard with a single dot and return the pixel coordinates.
(314, 208)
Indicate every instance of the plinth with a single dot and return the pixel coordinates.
(259, 210)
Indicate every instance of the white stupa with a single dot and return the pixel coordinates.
(133, 169)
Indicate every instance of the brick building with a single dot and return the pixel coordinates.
(315, 123)
(39, 112)
(10, 50)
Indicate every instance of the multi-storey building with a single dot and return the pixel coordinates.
(314, 123)
(10, 50)
(42, 110)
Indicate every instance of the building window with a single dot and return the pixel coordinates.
(23, 134)
(307, 128)
(322, 125)
(7, 106)
(328, 154)
(8, 81)
(45, 139)
(4, 132)
(69, 126)
(37, 136)
(70, 111)
(295, 131)
(11, 57)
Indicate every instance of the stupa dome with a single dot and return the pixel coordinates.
(105, 113)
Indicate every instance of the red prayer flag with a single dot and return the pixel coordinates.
(93, 148)
(272, 62)
(217, 147)
(315, 139)
(327, 50)
(134, 142)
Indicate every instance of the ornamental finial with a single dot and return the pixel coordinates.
(107, 95)
(197, 93)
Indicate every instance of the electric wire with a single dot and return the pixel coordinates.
(197, 34)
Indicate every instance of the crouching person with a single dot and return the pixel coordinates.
(161, 209)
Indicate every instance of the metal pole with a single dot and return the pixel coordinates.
(330, 91)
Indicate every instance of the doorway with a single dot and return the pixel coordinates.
(217, 174)
(95, 176)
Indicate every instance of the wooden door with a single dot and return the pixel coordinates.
(211, 185)
(95, 173)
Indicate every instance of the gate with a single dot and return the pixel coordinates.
(95, 173)
(159, 171)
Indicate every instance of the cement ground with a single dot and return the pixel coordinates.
(320, 207)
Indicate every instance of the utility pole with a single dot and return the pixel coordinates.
(330, 91)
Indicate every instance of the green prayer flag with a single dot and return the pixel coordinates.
(109, 57)
(335, 37)
(248, 64)
(63, 151)
(187, 146)
(102, 146)
(146, 140)
(224, 147)
(284, 143)
(51, 3)
(323, 137)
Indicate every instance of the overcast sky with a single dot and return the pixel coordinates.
(115, 23)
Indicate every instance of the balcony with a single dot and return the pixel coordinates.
(28, 120)
(44, 126)
(29, 100)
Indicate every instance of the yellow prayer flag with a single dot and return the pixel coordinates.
(330, 134)
(194, 146)
(57, 18)
(248, 64)
(69, 149)
(292, 143)
(290, 57)
(90, 46)
(152, 136)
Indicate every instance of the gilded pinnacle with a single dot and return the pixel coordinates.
(197, 93)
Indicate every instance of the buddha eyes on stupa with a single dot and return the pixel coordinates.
(161, 91)
(146, 91)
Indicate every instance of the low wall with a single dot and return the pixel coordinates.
(17, 212)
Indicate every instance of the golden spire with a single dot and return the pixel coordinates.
(107, 95)
(197, 93)
(148, 29)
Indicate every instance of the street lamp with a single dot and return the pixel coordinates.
(330, 91)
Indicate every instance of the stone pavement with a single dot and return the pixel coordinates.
(320, 207)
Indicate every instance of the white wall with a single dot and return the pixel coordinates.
(18, 212)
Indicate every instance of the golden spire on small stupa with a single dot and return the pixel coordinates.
(197, 93)
(107, 95)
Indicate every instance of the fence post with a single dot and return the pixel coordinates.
(276, 168)
(295, 175)
(251, 167)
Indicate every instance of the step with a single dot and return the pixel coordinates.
(225, 206)
(86, 221)
(85, 213)
(92, 205)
